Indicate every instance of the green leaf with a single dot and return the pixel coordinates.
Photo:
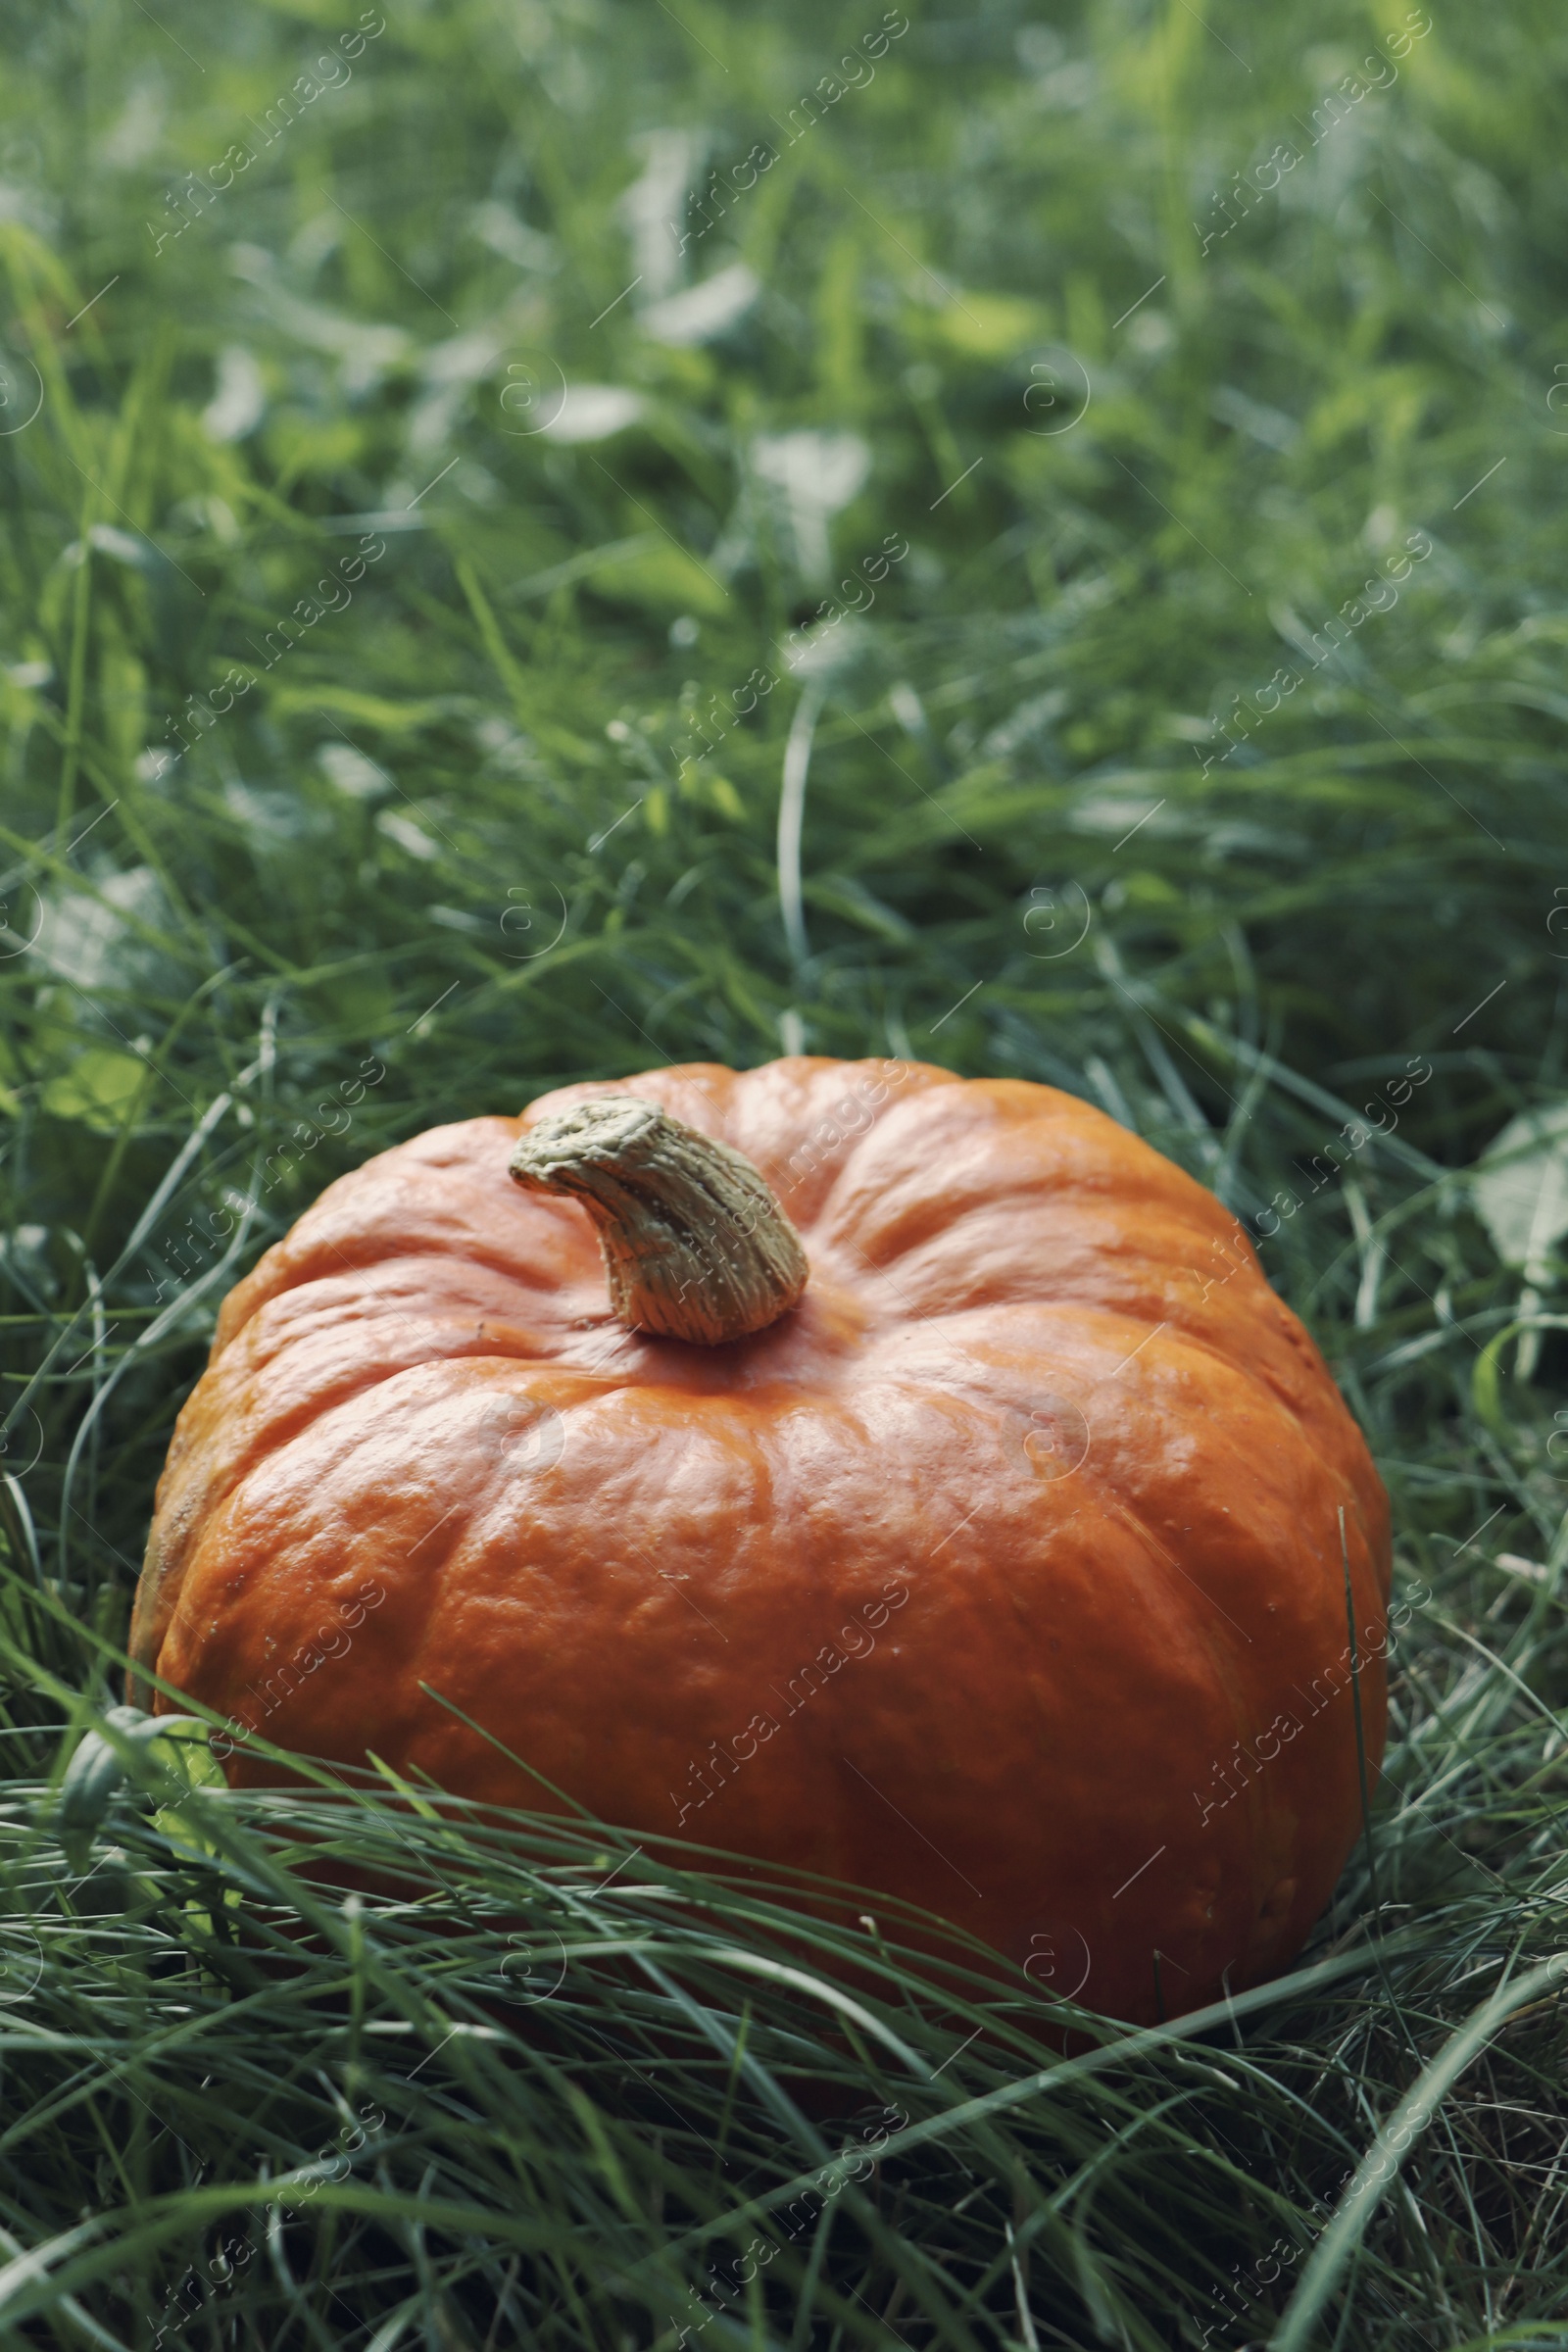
(97, 1090)
(662, 579)
(1521, 1189)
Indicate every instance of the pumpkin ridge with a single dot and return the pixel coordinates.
(1070, 1126)
(302, 1423)
(1181, 1338)
(1257, 1378)
(315, 1229)
(464, 1249)
(1084, 1635)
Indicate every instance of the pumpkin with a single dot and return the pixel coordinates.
(905, 1478)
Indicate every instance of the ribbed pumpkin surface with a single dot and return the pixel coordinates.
(1003, 1573)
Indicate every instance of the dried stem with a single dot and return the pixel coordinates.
(695, 1246)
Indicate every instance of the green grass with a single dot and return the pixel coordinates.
(460, 832)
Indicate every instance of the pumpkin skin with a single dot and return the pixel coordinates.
(1003, 1573)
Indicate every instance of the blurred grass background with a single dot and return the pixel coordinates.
(422, 542)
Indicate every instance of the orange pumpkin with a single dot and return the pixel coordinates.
(999, 1566)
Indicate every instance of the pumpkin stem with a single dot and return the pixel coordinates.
(695, 1245)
